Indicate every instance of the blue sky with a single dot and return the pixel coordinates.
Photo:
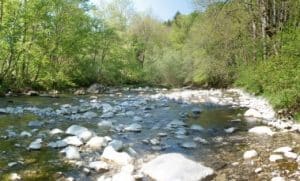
(164, 9)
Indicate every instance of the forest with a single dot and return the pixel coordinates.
(62, 44)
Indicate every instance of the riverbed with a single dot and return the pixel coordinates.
(207, 127)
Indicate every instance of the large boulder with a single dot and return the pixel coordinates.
(174, 166)
(96, 89)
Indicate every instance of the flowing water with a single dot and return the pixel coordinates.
(223, 151)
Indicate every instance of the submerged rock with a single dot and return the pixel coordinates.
(134, 128)
(35, 124)
(174, 166)
(188, 145)
(197, 127)
(58, 144)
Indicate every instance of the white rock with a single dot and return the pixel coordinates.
(96, 142)
(36, 144)
(230, 130)
(125, 174)
(274, 158)
(174, 166)
(250, 154)
(73, 140)
(116, 144)
(252, 113)
(261, 130)
(121, 158)
(99, 166)
(14, 177)
(79, 131)
(283, 149)
(290, 155)
(25, 134)
(106, 108)
(258, 170)
(71, 153)
(278, 179)
(55, 131)
(134, 127)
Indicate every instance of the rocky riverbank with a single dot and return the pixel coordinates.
(139, 134)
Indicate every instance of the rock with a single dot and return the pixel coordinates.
(196, 110)
(125, 174)
(12, 164)
(137, 119)
(79, 131)
(250, 154)
(230, 130)
(261, 130)
(290, 155)
(80, 92)
(200, 140)
(14, 177)
(58, 144)
(96, 89)
(105, 123)
(35, 124)
(89, 115)
(71, 153)
(252, 113)
(154, 141)
(96, 142)
(121, 158)
(134, 128)
(274, 158)
(106, 108)
(99, 166)
(278, 179)
(36, 144)
(107, 115)
(25, 134)
(258, 170)
(116, 144)
(176, 123)
(32, 93)
(174, 166)
(188, 145)
(197, 127)
(55, 131)
(283, 149)
(73, 140)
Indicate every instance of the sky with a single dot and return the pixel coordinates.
(161, 9)
(164, 9)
